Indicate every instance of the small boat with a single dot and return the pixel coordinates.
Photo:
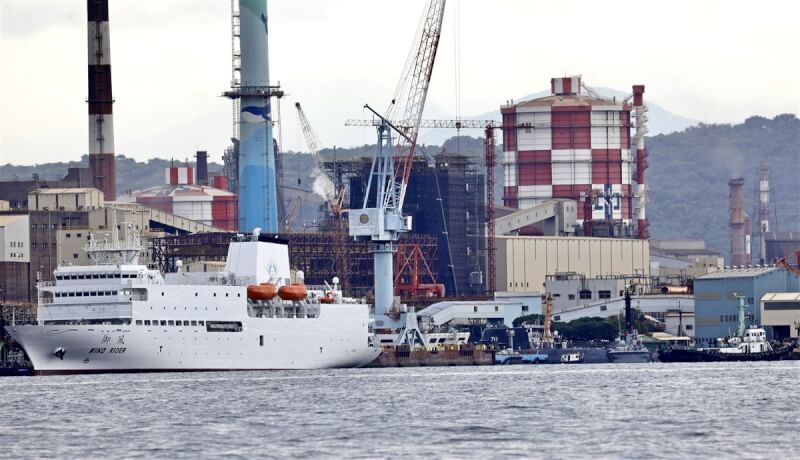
(327, 298)
(293, 292)
(749, 344)
(752, 345)
(629, 348)
(263, 291)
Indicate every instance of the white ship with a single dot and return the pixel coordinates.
(120, 316)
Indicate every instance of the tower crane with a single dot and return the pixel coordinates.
(381, 219)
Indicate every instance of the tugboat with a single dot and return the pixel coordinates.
(750, 344)
(629, 348)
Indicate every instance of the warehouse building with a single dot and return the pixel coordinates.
(716, 306)
(523, 262)
(780, 315)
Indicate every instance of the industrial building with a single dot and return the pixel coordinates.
(781, 244)
(182, 196)
(55, 226)
(577, 145)
(576, 296)
(780, 315)
(716, 309)
(677, 262)
(524, 262)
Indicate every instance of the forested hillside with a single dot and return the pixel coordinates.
(687, 176)
(689, 173)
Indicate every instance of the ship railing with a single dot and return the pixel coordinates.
(45, 283)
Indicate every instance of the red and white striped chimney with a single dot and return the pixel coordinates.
(101, 122)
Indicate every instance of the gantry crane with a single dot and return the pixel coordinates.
(381, 219)
(489, 157)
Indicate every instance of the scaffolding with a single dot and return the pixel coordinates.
(457, 221)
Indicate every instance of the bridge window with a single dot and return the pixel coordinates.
(603, 294)
(585, 294)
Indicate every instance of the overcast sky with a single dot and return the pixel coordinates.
(716, 61)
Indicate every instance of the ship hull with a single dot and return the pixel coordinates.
(629, 356)
(705, 356)
(339, 337)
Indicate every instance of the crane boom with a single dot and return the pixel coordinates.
(388, 180)
(311, 138)
(321, 179)
(417, 94)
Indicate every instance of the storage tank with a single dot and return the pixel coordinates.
(574, 145)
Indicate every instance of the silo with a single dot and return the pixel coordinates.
(573, 144)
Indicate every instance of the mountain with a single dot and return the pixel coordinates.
(660, 120)
(688, 175)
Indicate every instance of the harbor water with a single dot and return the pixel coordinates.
(712, 410)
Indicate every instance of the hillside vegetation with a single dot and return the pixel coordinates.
(688, 174)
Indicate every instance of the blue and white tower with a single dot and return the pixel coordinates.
(258, 204)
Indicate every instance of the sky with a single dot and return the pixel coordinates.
(714, 61)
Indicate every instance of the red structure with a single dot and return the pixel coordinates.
(182, 197)
(410, 268)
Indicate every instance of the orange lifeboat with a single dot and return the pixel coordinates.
(263, 291)
(293, 292)
(327, 298)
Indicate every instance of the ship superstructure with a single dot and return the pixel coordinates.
(121, 316)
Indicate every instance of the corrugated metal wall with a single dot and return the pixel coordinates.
(524, 262)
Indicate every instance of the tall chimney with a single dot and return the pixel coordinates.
(202, 167)
(101, 122)
(763, 210)
(258, 204)
(641, 162)
(737, 225)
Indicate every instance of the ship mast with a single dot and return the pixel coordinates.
(115, 252)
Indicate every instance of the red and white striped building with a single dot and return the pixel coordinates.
(182, 197)
(575, 145)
